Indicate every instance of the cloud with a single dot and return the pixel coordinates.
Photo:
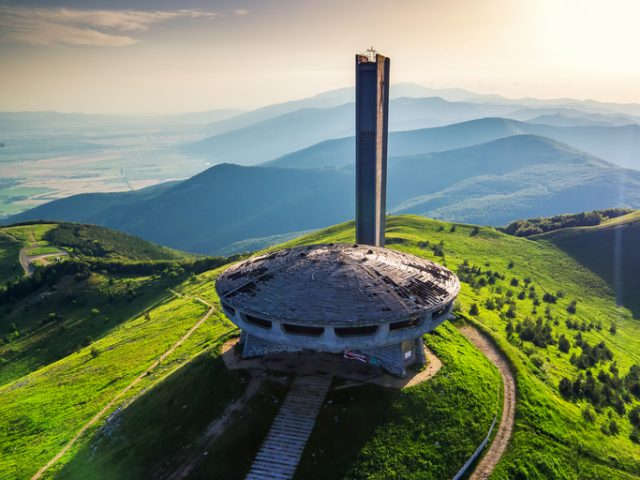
(241, 11)
(104, 28)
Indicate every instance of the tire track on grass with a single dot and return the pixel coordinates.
(126, 389)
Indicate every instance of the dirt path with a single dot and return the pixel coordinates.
(122, 392)
(216, 428)
(505, 429)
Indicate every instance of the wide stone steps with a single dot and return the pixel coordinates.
(281, 451)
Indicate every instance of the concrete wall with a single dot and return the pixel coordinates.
(372, 112)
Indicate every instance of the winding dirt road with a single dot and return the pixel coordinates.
(505, 429)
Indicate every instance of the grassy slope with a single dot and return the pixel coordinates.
(9, 265)
(551, 438)
(426, 432)
(85, 309)
(38, 415)
(610, 250)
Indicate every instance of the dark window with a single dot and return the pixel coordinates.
(352, 331)
(302, 329)
(414, 322)
(228, 310)
(440, 311)
(259, 322)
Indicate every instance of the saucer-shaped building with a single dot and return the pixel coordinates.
(365, 301)
(371, 301)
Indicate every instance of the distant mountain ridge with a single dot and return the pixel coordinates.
(619, 145)
(491, 183)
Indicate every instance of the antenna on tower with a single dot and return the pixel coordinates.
(371, 54)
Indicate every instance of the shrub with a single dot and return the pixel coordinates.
(564, 345)
(635, 435)
(588, 414)
(572, 307)
(95, 312)
(549, 298)
(474, 310)
(634, 416)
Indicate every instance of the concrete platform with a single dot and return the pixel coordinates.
(318, 363)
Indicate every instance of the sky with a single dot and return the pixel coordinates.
(141, 57)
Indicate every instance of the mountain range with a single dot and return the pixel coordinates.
(517, 176)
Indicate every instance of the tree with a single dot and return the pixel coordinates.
(564, 345)
(566, 387)
(613, 328)
(588, 414)
(634, 416)
(474, 310)
(572, 307)
(94, 352)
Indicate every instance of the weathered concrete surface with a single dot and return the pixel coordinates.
(353, 372)
(281, 451)
(372, 118)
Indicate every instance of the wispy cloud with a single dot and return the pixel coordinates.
(104, 28)
(241, 11)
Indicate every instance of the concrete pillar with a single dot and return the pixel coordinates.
(372, 113)
(421, 359)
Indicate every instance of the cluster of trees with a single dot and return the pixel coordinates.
(49, 275)
(582, 325)
(100, 242)
(533, 226)
(476, 277)
(591, 355)
(436, 248)
(540, 332)
(606, 388)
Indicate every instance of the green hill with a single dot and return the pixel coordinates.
(611, 250)
(363, 432)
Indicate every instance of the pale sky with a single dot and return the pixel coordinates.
(138, 57)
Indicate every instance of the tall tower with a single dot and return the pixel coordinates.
(372, 112)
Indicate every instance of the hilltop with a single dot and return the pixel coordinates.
(610, 250)
(110, 327)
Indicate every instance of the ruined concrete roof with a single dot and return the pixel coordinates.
(336, 285)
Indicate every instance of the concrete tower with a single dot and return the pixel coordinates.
(372, 112)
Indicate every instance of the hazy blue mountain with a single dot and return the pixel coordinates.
(518, 176)
(619, 145)
(340, 96)
(341, 151)
(508, 178)
(561, 119)
(295, 130)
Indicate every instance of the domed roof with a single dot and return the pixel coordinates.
(336, 285)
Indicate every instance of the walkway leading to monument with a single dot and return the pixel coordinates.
(281, 451)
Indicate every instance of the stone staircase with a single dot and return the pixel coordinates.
(281, 451)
